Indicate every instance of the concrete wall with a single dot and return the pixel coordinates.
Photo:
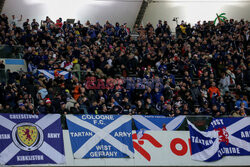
(192, 11)
(124, 11)
(15, 64)
(127, 10)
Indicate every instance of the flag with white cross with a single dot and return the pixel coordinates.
(50, 74)
(100, 136)
(31, 139)
(158, 122)
(224, 137)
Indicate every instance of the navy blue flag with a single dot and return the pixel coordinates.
(224, 137)
(157, 122)
(100, 136)
(31, 139)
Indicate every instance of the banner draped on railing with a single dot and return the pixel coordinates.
(38, 139)
(31, 139)
(157, 122)
(225, 136)
(100, 136)
(51, 74)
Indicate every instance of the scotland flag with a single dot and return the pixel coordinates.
(50, 74)
(225, 136)
(100, 136)
(31, 139)
(157, 122)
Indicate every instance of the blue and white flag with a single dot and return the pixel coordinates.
(140, 133)
(225, 136)
(157, 122)
(100, 136)
(50, 74)
(31, 139)
(32, 68)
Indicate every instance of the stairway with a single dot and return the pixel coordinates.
(1, 5)
(141, 12)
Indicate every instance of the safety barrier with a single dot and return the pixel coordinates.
(169, 148)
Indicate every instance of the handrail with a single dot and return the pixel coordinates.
(201, 122)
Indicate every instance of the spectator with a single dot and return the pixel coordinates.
(197, 111)
(236, 113)
(49, 108)
(213, 91)
(149, 108)
(223, 111)
(240, 101)
(15, 22)
(7, 109)
(228, 99)
(169, 65)
(26, 24)
(215, 111)
(31, 109)
(42, 92)
(59, 23)
(34, 24)
(22, 109)
(140, 108)
(63, 111)
(232, 77)
(207, 112)
(224, 83)
(93, 109)
(104, 110)
(1, 108)
(2, 71)
(195, 93)
(41, 108)
(177, 112)
(75, 109)
(239, 113)
(168, 111)
(186, 110)
(70, 103)
(160, 104)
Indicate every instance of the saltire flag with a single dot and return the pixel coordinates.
(31, 139)
(100, 136)
(32, 68)
(51, 74)
(157, 122)
(225, 136)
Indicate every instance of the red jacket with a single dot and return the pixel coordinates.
(213, 90)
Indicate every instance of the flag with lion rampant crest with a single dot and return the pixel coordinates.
(224, 137)
(31, 139)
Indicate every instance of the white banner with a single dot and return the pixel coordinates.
(155, 148)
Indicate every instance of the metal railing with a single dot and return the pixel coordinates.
(15, 52)
(201, 122)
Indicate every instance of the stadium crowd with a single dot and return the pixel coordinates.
(201, 70)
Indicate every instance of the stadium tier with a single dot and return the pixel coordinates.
(95, 69)
(123, 93)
